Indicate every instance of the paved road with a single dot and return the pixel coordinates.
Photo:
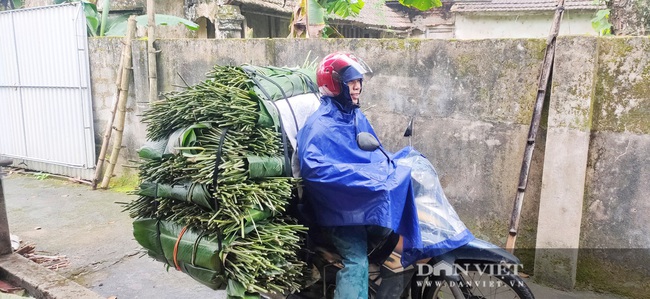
(90, 229)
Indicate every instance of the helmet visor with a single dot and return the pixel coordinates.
(367, 71)
(355, 68)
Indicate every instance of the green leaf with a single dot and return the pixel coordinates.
(315, 13)
(92, 17)
(18, 4)
(235, 289)
(421, 4)
(117, 25)
(601, 23)
(343, 8)
(356, 8)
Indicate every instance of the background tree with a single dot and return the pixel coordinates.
(310, 16)
(10, 4)
(629, 17)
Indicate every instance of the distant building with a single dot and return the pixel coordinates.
(521, 18)
(462, 19)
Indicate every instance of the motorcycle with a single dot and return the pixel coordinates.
(476, 270)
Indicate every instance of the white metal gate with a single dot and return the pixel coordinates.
(46, 121)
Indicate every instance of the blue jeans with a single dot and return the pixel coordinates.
(351, 243)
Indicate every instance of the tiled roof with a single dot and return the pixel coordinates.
(522, 5)
(374, 12)
(379, 13)
(268, 5)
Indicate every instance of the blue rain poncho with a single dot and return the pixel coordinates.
(346, 185)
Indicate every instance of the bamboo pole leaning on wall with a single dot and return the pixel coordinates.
(109, 127)
(121, 105)
(542, 89)
(151, 51)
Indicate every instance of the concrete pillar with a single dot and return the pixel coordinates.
(5, 237)
(229, 21)
(565, 163)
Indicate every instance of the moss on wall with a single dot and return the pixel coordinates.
(400, 45)
(127, 181)
(600, 275)
(622, 86)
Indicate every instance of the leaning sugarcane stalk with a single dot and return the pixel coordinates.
(109, 127)
(124, 94)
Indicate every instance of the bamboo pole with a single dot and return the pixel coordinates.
(542, 87)
(109, 127)
(121, 107)
(151, 29)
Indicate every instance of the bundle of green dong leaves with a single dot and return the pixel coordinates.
(216, 182)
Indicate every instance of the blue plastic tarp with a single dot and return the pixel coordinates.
(349, 186)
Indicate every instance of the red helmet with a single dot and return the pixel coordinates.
(336, 69)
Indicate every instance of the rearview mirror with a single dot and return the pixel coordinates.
(367, 141)
(409, 129)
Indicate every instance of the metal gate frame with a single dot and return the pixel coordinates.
(46, 117)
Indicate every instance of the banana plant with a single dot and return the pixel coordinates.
(100, 24)
(421, 4)
(310, 16)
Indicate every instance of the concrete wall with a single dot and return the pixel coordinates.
(472, 102)
(615, 222)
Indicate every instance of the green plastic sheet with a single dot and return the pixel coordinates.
(180, 141)
(190, 192)
(274, 84)
(197, 254)
(261, 167)
(154, 150)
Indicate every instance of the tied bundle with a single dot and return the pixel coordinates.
(216, 182)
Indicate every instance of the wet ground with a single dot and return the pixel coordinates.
(88, 227)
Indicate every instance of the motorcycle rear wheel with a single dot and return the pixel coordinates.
(476, 285)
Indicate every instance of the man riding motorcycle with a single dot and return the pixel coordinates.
(354, 195)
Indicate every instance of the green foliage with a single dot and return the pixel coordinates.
(421, 4)
(315, 13)
(92, 20)
(601, 23)
(11, 4)
(116, 25)
(343, 8)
